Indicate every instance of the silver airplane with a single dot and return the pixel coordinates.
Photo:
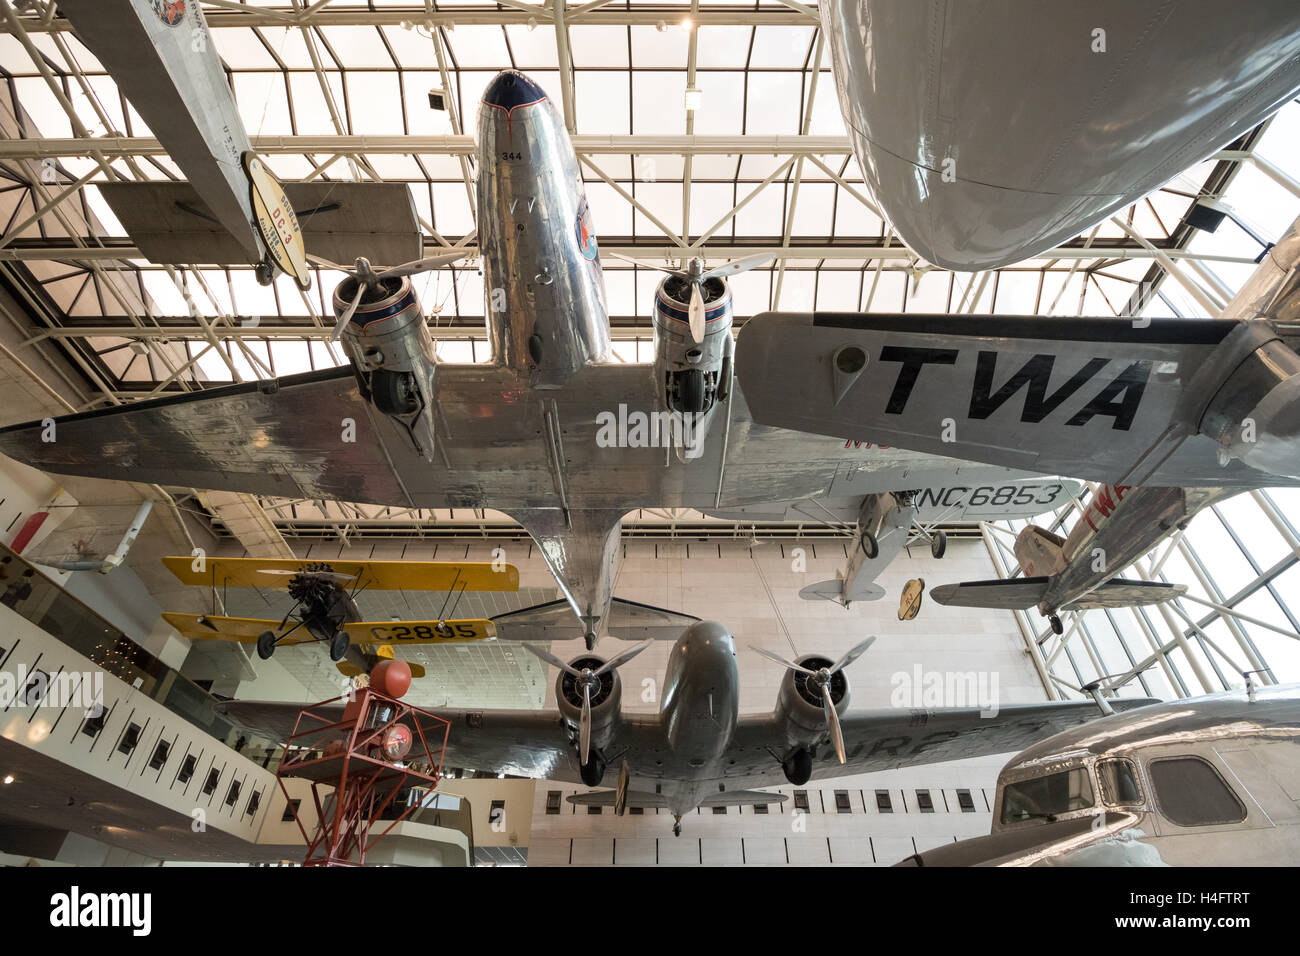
(991, 131)
(1210, 781)
(698, 750)
(553, 431)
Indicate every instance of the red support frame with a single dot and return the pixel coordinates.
(346, 756)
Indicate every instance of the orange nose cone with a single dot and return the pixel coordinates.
(391, 678)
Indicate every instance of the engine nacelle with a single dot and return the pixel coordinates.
(393, 354)
(799, 704)
(604, 702)
(692, 376)
(1256, 414)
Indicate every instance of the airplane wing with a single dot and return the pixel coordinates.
(1104, 399)
(243, 630)
(314, 436)
(401, 633)
(525, 743)
(1019, 594)
(628, 621)
(889, 739)
(371, 575)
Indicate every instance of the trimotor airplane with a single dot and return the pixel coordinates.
(1171, 414)
(990, 132)
(553, 431)
(325, 608)
(698, 750)
(1081, 571)
(1209, 781)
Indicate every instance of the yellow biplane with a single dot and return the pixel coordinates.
(325, 608)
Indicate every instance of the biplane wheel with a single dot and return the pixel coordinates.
(868, 545)
(266, 645)
(339, 646)
(1057, 627)
(939, 544)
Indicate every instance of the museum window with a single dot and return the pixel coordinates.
(924, 801)
(130, 737)
(760, 808)
(233, 793)
(210, 785)
(842, 804)
(553, 803)
(159, 758)
(254, 801)
(636, 811)
(188, 766)
(593, 810)
(719, 810)
(965, 801)
(883, 802)
(94, 725)
(801, 800)
(290, 811)
(1190, 792)
(1119, 785)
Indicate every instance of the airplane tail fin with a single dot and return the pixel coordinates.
(628, 621)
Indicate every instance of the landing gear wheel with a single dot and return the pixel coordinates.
(339, 646)
(264, 273)
(690, 391)
(593, 771)
(798, 767)
(394, 392)
(1057, 627)
(266, 645)
(939, 544)
(868, 545)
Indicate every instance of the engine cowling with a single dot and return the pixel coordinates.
(692, 376)
(392, 354)
(799, 704)
(604, 702)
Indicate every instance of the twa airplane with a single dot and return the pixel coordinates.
(528, 433)
(992, 130)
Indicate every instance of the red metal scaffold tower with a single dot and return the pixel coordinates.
(360, 764)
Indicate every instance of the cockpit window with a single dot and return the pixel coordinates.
(1119, 786)
(1042, 798)
(1191, 793)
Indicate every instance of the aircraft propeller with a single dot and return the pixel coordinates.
(368, 279)
(695, 274)
(822, 678)
(588, 679)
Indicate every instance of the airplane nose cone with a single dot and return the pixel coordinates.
(713, 636)
(511, 88)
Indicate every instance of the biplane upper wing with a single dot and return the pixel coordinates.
(371, 575)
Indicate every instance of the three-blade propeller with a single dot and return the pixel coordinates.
(588, 680)
(822, 679)
(368, 279)
(695, 274)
